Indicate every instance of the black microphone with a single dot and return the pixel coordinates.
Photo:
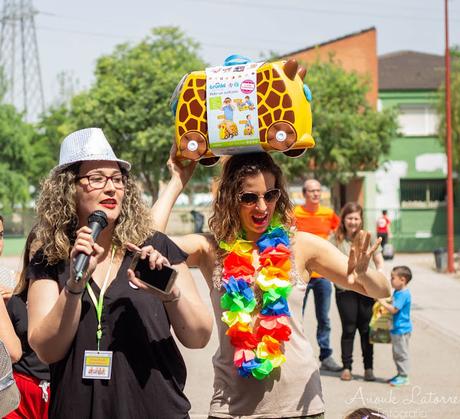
(97, 221)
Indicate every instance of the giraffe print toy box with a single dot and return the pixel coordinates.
(242, 108)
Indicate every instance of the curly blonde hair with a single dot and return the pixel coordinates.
(58, 221)
(223, 223)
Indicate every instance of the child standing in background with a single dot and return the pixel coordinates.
(383, 228)
(402, 324)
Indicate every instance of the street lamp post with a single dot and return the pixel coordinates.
(450, 191)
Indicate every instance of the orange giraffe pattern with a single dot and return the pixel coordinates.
(275, 104)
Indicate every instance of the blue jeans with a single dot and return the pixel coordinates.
(322, 291)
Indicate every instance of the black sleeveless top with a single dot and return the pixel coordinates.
(148, 372)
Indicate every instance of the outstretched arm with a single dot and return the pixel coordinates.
(352, 273)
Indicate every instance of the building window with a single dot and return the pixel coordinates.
(428, 193)
(418, 120)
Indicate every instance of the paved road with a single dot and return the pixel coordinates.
(435, 354)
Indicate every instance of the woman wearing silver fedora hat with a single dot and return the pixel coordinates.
(107, 336)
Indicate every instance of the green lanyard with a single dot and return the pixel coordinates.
(99, 305)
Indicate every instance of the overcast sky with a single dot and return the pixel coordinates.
(73, 34)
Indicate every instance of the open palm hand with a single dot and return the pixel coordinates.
(360, 255)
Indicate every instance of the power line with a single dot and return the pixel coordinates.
(111, 36)
(290, 8)
(397, 3)
(96, 34)
(267, 42)
(264, 40)
(264, 43)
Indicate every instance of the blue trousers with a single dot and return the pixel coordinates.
(322, 291)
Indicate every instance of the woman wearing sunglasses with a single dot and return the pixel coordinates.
(257, 269)
(107, 336)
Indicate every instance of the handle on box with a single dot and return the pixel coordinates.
(236, 59)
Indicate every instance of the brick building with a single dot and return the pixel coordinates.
(355, 52)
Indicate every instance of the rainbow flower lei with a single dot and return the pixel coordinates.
(257, 331)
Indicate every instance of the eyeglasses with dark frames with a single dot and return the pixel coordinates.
(251, 198)
(98, 181)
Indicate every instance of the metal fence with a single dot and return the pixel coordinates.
(18, 223)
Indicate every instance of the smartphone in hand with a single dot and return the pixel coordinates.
(161, 280)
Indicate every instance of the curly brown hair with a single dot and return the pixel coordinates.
(23, 282)
(223, 223)
(366, 413)
(58, 221)
(348, 208)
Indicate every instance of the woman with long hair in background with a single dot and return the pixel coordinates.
(355, 309)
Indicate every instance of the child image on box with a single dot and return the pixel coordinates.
(402, 324)
(228, 128)
(245, 104)
(248, 127)
(228, 109)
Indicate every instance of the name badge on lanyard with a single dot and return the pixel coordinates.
(97, 365)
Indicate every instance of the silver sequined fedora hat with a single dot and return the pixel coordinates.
(9, 393)
(86, 144)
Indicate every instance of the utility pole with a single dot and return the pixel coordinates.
(450, 190)
(19, 59)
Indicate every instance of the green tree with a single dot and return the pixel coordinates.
(455, 107)
(53, 126)
(350, 135)
(15, 157)
(14, 188)
(130, 99)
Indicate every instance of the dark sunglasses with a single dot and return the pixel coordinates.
(251, 198)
